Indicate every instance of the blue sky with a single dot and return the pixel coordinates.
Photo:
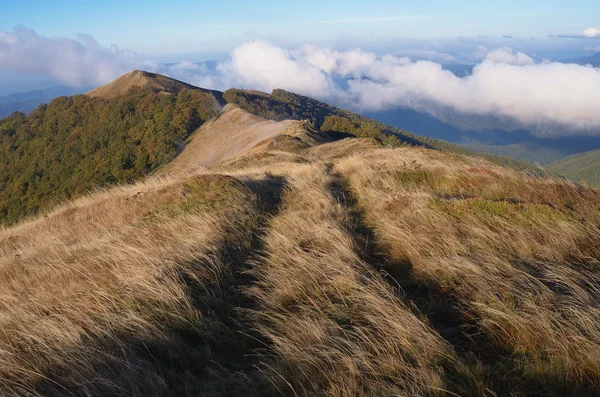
(180, 26)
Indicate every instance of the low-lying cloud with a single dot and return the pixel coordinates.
(503, 83)
(81, 62)
(588, 33)
(507, 55)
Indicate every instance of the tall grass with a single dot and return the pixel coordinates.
(99, 296)
(336, 327)
(341, 269)
(519, 255)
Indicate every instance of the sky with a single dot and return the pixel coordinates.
(168, 28)
(511, 59)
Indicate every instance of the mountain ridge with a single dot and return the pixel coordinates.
(339, 122)
(593, 60)
(29, 100)
(279, 104)
(139, 123)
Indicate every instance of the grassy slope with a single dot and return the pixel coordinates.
(584, 167)
(232, 133)
(526, 152)
(357, 267)
(128, 291)
(343, 269)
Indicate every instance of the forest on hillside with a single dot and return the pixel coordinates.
(77, 143)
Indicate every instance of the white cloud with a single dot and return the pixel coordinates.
(430, 55)
(81, 62)
(481, 52)
(533, 94)
(264, 66)
(343, 63)
(591, 32)
(505, 83)
(593, 49)
(507, 55)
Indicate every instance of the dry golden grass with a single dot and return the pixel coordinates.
(89, 290)
(518, 255)
(232, 134)
(335, 326)
(335, 269)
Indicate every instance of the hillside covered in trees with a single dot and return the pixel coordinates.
(76, 143)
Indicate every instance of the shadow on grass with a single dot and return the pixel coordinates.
(213, 355)
(497, 372)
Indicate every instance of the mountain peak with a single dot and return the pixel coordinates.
(143, 79)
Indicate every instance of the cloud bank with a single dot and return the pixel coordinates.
(503, 83)
(81, 62)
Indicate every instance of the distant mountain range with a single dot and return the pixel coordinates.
(582, 167)
(593, 60)
(26, 101)
(489, 134)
